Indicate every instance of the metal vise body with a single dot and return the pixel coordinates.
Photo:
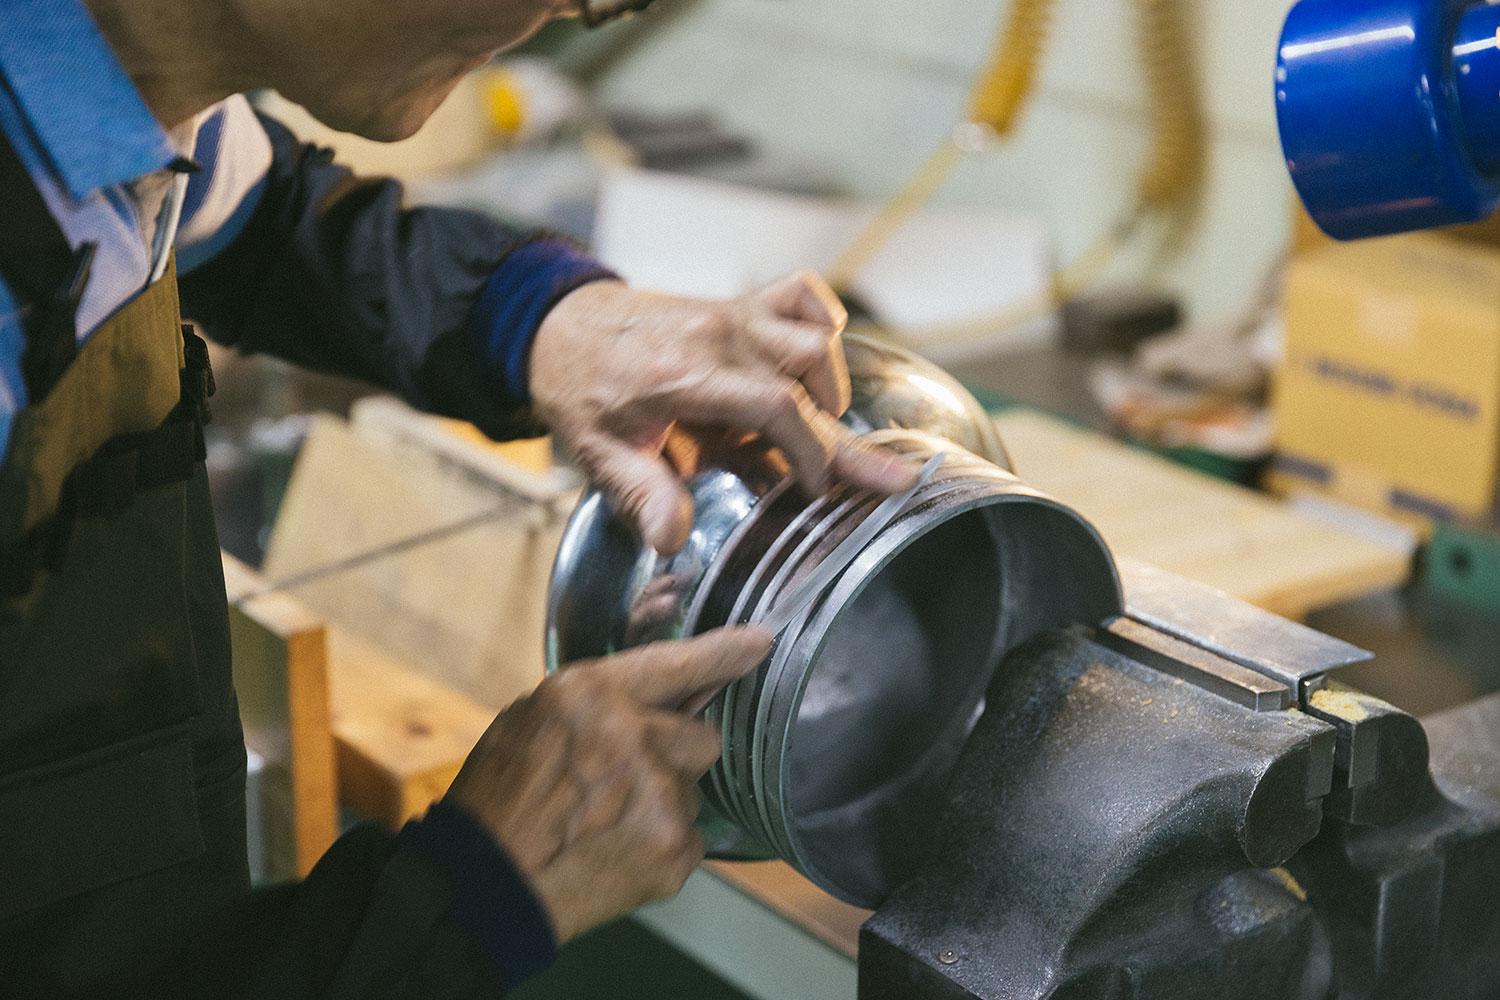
(1179, 803)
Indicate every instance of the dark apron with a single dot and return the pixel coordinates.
(122, 765)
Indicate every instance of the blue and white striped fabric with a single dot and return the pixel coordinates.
(100, 161)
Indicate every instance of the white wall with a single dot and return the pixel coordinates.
(862, 90)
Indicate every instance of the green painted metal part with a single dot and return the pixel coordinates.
(1463, 565)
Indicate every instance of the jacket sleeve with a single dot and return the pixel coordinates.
(334, 272)
(436, 913)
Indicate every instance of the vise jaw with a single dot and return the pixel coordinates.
(1179, 802)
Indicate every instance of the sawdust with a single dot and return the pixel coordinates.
(1291, 883)
(1344, 704)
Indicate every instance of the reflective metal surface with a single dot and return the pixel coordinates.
(837, 749)
(895, 388)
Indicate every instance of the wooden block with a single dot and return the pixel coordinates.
(401, 736)
(468, 607)
(524, 464)
(281, 680)
(1239, 541)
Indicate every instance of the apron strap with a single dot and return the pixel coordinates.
(108, 482)
(49, 278)
(46, 275)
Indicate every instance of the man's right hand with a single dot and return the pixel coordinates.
(589, 783)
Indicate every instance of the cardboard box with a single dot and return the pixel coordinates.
(1389, 393)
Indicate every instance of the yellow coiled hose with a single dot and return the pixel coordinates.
(1169, 183)
(1001, 91)
(996, 101)
(1173, 177)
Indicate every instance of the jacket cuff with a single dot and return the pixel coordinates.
(530, 280)
(491, 899)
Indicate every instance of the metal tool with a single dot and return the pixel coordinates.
(791, 607)
(891, 615)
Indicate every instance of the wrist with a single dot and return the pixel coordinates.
(554, 360)
(526, 286)
(492, 899)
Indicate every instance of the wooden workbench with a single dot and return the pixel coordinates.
(1245, 543)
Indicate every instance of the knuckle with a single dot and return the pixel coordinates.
(548, 694)
(693, 850)
(785, 404)
(689, 855)
(567, 695)
(563, 688)
(849, 447)
(630, 497)
(807, 352)
(695, 735)
(662, 841)
(589, 453)
(616, 738)
(626, 493)
(659, 798)
(706, 745)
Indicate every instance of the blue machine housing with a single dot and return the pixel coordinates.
(1390, 112)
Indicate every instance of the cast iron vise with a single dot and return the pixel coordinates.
(1180, 803)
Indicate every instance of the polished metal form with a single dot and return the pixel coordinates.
(838, 748)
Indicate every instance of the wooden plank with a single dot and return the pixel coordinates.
(280, 662)
(466, 608)
(1248, 544)
(525, 465)
(401, 736)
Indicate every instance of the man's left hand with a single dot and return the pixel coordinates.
(612, 369)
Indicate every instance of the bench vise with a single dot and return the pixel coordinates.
(1180, 802)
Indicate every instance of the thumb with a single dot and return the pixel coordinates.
(805, 296)
(644, 490)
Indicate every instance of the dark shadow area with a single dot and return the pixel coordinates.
(624, 961)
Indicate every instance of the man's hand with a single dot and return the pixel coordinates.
(588, 783)
(612, 369)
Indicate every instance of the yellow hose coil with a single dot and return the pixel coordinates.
(1169, 183)
(998, 96)
(1001, 91)
(1175, 169)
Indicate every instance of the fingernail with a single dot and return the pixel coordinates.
(756, 638)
